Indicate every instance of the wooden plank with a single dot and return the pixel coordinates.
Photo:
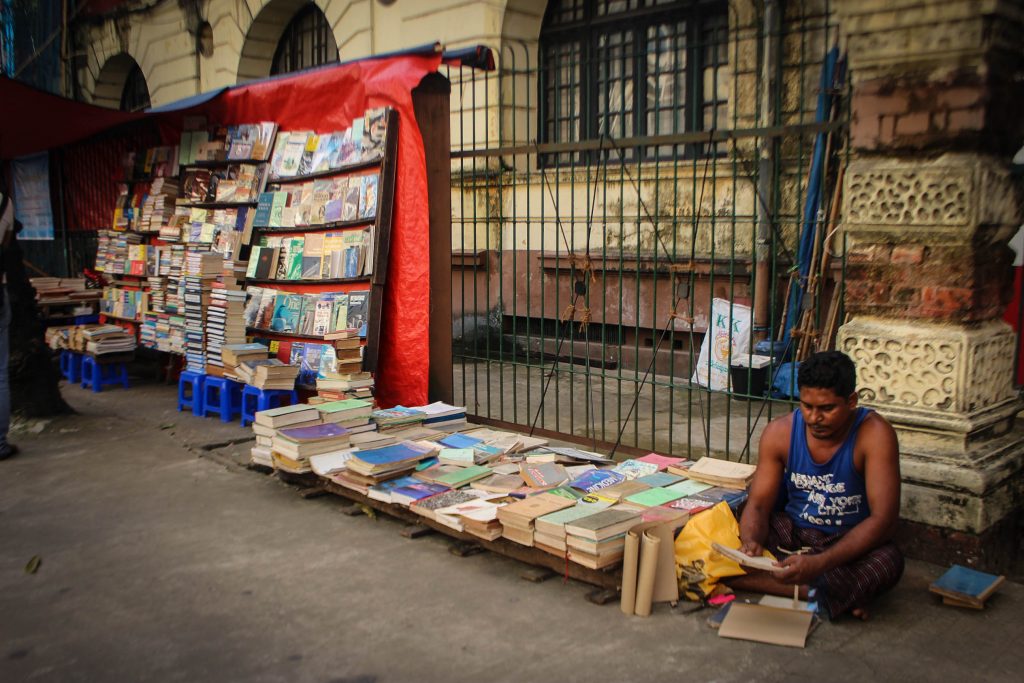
(381, 243)
(431, 100)
(610, 579)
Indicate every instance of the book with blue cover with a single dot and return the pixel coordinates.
(595, 480)
(965, 587)
(406, 495)
(459, 441)
(383, 490)
(320, 432)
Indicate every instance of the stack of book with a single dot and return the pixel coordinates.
(549, 530)
(396, 418)
(267, 373)
(352, 414)
(233, 355)
(724, 473)
(291, 447)
(371, 466)
(224, 325)
(196, 300)
(599, 540)
(442, 416)
(102, 340)
(158, 205)
(965, 587)
(267, 422)
(517, 519)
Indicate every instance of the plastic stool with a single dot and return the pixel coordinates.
(222, 396)
(255, 399)
(194, 400)
(71, 366)
(99, 375)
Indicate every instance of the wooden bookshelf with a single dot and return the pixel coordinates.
(347, 168)
(215, 205)
(380, 222)
(330, 281)
(120, 317)
(337, 225)
(259, 331)
(220, 163)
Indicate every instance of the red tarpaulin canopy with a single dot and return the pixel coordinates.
(322, 99)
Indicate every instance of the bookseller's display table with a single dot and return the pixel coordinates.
(610, 578)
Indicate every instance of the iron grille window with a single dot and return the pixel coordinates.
(307, 41)
(135, 94)
(625, 68)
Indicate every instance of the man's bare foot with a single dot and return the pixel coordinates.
(860, 613)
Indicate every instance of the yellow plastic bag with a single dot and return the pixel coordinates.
(698, 567)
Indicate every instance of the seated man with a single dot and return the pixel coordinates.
(827, 486)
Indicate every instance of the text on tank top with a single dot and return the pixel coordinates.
(830, 496)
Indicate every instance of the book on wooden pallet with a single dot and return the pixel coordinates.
(590, 546)
(385, 459)
(326, 464)
(287, 415)
(606, 523)
(345, 410)
(663, 462)
(384, 490)
(732, 475)
(553, 524)
(543, 475)
(261, 455)
(499, 483)
(288, 464)
(398, 416)
(427, 507)
(518, 518)
(965, 587)
(414, 491)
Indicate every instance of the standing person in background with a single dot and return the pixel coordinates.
(6, 237)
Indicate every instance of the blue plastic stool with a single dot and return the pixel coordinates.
(255, 399)
(71, 366)
(222, 396)
(191, 400)
(98, 375)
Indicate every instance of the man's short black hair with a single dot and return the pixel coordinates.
(828, 370)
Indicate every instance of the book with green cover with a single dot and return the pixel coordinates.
(555, 522)
(689, 487)
(345, 405)
(463, 476)
(294, 265)
(654, 497)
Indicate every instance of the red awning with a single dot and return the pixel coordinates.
(33, 120)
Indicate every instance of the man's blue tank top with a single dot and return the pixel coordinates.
(830, 497)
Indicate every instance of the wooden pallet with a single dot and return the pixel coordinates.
(609, 579)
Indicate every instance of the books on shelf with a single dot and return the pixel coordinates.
(298, 153)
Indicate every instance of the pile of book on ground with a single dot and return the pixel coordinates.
(571, 503)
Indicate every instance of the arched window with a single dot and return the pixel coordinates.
(624, 68)
(307, 41)
(135, 94)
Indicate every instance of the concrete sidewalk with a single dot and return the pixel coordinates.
(164, 560)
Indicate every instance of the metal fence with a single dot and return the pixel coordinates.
(627, 189)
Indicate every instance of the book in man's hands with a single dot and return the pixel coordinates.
(764, 563)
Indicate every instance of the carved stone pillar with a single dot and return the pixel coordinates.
(928, 208)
